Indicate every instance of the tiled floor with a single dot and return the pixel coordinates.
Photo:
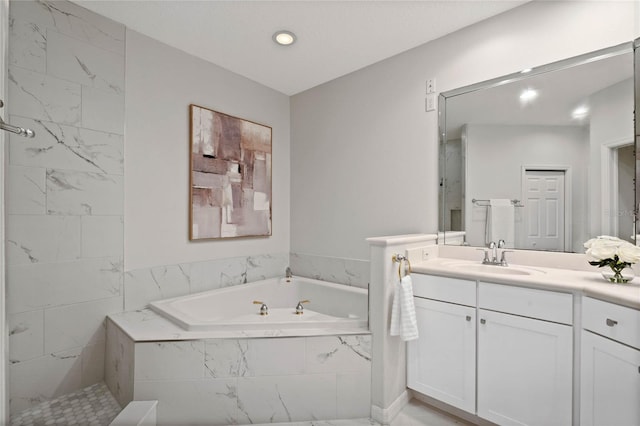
(91, 406)
(94, 406)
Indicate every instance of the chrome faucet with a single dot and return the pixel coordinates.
(288, 274)
(494, 258)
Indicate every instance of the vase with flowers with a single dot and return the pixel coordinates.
(615, 253)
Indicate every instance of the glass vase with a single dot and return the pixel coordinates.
(622, 276)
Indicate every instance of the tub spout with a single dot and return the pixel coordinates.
(288, 274)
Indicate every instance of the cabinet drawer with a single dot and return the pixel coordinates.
(453, 290)
(527, 302)
(613, 321)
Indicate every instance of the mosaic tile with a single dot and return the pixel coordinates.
(93, 405)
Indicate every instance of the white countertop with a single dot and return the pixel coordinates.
(589, 283)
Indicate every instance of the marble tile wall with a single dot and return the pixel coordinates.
(340, 270)
(245, 381)
(65, 196)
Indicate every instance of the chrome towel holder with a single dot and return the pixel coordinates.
(27, 133)
(399, 258)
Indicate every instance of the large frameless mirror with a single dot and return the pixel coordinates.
(542, 159)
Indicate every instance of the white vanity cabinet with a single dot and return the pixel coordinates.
(525, 355)
(442, 362)
(610, 365)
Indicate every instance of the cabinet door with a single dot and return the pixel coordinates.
(610, 383)
(524, 370)
(441, 363)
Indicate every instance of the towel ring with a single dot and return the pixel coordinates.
(399, 259)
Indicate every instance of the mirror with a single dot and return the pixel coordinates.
(542, 159)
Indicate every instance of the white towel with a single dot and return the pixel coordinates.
(403, 311)
(501, 222)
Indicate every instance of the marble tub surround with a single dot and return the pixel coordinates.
(567, 272)
(242, 381)
(161, 282)
(65, 196)
(353, 272)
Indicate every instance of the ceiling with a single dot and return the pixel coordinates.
(334, 38)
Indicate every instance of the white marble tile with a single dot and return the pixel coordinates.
(212, 274)
(42, 238)
(80, 62)
(338, 354)
(169, 360)
(353, 395)
(226, 357)
(266, 266)
(145, 285)
(192, 402)
(28, 45)
(278, 356)
(43, 97)
(57, 146)
(62, 330)
(119, 364)
(93, 357)
(72, 20)
(288, 398)
(333, 269)
(26, 336)
(43, 378)
(82, 193)
(102, 110)
(42, 285)
(102, 236)
(25, 190)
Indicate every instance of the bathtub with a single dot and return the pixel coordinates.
(331, 305)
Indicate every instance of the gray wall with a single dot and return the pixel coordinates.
(364, 151)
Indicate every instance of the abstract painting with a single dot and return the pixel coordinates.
(230, 176)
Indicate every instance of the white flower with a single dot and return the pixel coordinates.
(602, 251)
(629, 253)
(602, 239)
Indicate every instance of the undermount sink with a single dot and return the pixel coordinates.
(494, 269)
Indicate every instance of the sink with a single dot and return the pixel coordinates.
(494, 269)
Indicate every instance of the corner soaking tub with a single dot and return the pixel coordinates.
(232, 308)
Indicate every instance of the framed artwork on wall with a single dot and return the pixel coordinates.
(230, 176)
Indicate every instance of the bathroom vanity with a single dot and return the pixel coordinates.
(526, 345)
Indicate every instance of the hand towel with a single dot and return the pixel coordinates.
(403, 311)
(501, 222)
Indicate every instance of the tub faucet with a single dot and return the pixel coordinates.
(264, 310)
(287, 273)
(300, 308)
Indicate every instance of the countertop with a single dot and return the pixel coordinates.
(588, 283)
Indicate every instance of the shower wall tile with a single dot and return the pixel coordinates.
(72, 20)
(26, 336)
(209, 275)
(82, 193)
(57, 146)
(46, 285)
(169, 360)
(43, 97)
(266, 266)
(146, 285)
(102, 236)
(102, 110)
(80, 62)
(30, 42)
(93, 361)
(351, 272)
(40, 379)
(62, 329)
(25, 190)
(34, 239)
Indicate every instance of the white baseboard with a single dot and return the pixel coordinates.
(386, 415)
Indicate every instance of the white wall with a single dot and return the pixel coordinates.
(364, 152)
(161, 83)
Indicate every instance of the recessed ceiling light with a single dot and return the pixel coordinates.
(284, 38)
(528, 95)
(580, 112)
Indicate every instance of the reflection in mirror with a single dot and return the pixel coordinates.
(542, 159)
